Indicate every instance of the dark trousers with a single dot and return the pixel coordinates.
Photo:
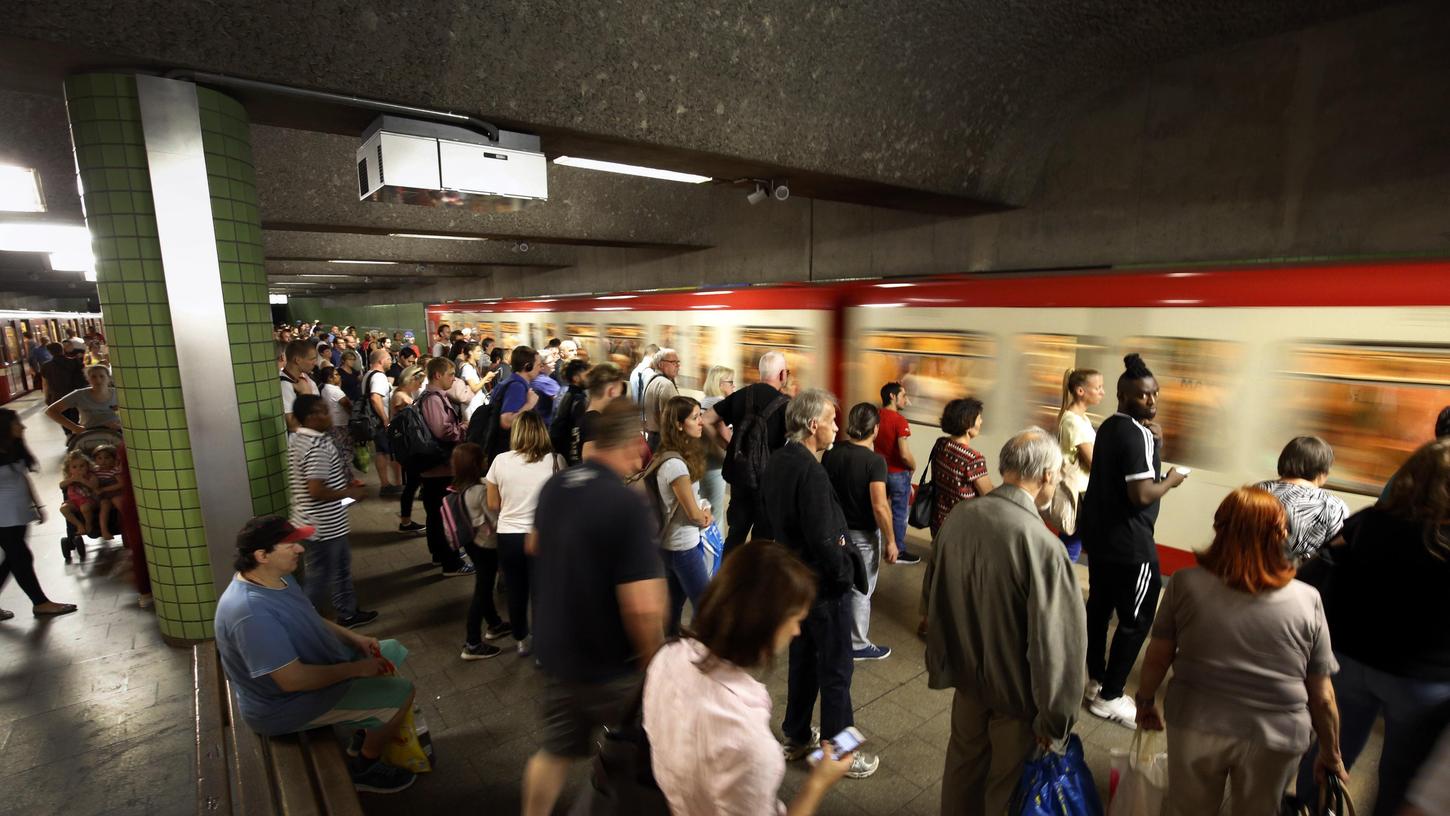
(515, 565)
(820, 664)
(411, 480)
(20, 563)
(745, 512)
(1131, 592)
(485, 566)
(434, 489)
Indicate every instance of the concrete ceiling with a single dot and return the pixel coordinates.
(942, 107)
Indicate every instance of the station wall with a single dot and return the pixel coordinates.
(390, 317)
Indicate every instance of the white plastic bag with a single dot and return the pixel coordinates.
(1139, 777)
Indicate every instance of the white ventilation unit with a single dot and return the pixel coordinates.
(408, 161)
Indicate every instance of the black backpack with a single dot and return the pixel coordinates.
(484, 429)
(749, 447)
(414, 446)
(567, 413)
(364, 423)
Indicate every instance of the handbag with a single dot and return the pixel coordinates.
(1139, 778)
(622, 781)
(1061, 512)
(1056, 784)
(923, 502)
(1334, 799)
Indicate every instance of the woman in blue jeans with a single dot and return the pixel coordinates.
(674, 478)
(1385, 602)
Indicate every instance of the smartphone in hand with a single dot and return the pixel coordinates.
(844, 743)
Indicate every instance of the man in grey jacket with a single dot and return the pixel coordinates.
(1006, 629)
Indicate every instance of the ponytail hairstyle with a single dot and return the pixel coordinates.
(1134, 369)
(1072, 380)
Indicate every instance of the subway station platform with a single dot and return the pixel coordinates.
(96, 711)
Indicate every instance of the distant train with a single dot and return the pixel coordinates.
(1246, 357)
(15, 375)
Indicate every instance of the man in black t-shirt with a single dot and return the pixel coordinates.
(1116, 523)
(599, 600)
(858, 473)
(764, 399)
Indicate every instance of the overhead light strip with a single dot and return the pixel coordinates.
(373, 263)
(20, 189)
(436, 237)
(630, 170)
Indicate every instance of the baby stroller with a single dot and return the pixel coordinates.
(86, 442)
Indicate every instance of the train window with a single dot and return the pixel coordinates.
(935, 367)
(624, 345)
(1374, 403)
(586, 336)
(703, 352)
(1047, 357)
(12, 344)
(796, 344)
(482, 330)
(1194, 377)
(508, 334)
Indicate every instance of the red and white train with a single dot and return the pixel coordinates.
(1246, 357)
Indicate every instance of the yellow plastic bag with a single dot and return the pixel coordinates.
(405, 750)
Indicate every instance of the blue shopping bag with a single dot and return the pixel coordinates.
(1057, 785)
(714, 547)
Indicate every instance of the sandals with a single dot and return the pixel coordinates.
(65, 609)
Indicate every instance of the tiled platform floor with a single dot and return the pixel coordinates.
(95, 710)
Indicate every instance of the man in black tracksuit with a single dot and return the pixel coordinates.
(1116, 523)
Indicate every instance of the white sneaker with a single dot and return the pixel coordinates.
(863, 765)
(1121, 710)
(1091, 691)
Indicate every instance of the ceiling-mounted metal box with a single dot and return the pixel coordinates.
(408, 161)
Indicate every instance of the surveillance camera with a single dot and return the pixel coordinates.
(757, 195)
(521, 246)
(781, 192)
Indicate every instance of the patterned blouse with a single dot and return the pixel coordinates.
(953, 469)
(1315, 517)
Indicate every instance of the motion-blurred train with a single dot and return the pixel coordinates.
(15, 376)
(1247, 358)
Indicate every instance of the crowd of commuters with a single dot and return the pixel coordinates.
(590, 491)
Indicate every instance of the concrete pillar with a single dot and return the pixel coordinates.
(170, 201)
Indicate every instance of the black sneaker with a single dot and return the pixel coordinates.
(360, 618)
(380, 777)
(479, 651)
(355, 742)
(462, 569)
(908, 558)
(496, 632)
(411, 527)
(390, 491)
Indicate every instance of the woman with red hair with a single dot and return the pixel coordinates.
(1252, 659)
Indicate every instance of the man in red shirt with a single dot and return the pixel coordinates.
(899, 463)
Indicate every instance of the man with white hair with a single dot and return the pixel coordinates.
(1006, 629)
(568, 349)
(750, 425)
(805, 515)
(640, 376)
(658, 391)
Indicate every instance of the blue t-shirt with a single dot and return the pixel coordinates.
(513, 398)
(39, 356)
(260, 630)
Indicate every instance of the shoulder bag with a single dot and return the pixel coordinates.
(923, 504)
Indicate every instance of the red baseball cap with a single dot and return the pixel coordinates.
(265, 532)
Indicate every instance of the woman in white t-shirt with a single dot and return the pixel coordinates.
(514, 481)
(339, 407)
(471, 385)
(674, 476)
(1082, 388)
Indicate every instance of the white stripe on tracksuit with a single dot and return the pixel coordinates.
(1144, 576)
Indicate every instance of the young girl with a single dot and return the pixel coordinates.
(82, 491)
(107, 469)
(339, 407)
(483, 551)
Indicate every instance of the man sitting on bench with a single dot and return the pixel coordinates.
(293, 670)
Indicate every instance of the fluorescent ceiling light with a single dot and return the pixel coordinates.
(437, 237)
(712, 293)
(90, 275)
(375, 263)
(20, 189)
(710, 306)
(325, 275)
(23, 237)
(74, 260)
(611, 308)
(883, 305)
(616, 297)
(277, 298)
(893, 285)
(630, 170)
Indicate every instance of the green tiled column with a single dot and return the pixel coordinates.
(116, 192)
